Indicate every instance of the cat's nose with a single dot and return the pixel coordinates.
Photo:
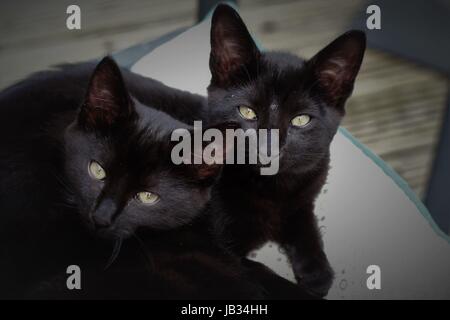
(104, 213)
(101, 221)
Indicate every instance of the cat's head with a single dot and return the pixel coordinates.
(303, 99)
(118, 162)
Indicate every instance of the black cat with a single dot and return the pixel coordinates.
(304, 100)
(81, 169)
(175, 264)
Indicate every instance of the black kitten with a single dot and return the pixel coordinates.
(182, 263)
(107, 162)
(304, 100)
(80, 169)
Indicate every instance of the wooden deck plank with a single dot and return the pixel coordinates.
(33, 39)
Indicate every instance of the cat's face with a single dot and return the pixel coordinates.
(304, 100)
(119, 167)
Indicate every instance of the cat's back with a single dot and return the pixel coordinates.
(31, 113)
(44, 95)
(30, 103)
(181, 105)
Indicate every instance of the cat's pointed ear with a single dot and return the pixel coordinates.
(234, 55)
(107, 102)
(335, 67)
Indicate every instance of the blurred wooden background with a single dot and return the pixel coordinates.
(396, 108)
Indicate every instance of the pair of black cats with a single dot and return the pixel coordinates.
(85, 167)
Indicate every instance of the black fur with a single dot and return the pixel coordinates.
(251, 208)
(54, 214)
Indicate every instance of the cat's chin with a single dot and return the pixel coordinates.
(107, 233)
(114, 234)
(110, 233)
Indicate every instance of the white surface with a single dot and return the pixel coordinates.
(366, 218)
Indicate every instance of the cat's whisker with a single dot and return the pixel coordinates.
(115, 253)
(142, 247)
(66, 205)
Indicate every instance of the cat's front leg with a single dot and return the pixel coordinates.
(302, 241)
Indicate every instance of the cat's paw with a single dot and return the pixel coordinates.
(316, 276)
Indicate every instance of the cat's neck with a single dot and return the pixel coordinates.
(284, 183)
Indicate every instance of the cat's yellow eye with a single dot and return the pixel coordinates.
(96, 171)
(247, 113)
(147, 197)
(301, 120)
